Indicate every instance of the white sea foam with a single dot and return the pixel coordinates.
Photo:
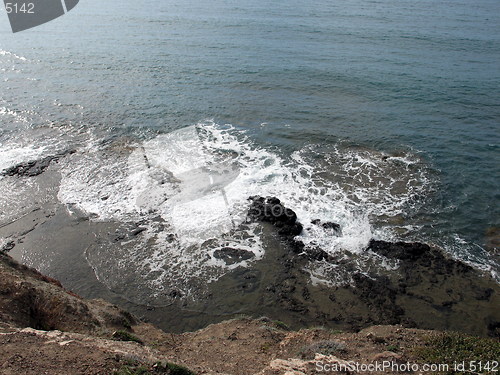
(198, 180)
(12, 55)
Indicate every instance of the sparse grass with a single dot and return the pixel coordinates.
(126, 336)
(327, 347)
(241, 317)
(279, 324)
(46, 313)
(126, 323)
(451, 347)
(265, 347)
(393, 348)
(176, 369)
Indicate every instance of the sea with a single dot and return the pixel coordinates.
(382, 116)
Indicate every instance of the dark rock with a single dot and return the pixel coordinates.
(328, 225)
(174, 293)
(34, 167)
(494, 328)
(399, 250)
(380, 295)
(271, 210)
(231, 255)
(8, 246)
(484, 294)
(317, 254)
(139, 230)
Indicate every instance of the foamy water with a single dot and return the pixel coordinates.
(190, 190)
(187, 191)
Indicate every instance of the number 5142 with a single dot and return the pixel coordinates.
(26, 8)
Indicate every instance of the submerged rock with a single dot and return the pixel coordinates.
(328, 225)
(231, 255)
(8, 247)
(399, 250)
(34, 167)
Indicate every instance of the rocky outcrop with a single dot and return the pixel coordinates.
(426, 289)
(332, 227)
(34, 167)
(231, 255)
(30, 299)
(271, 210)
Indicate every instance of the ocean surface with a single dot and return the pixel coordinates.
(382, 116)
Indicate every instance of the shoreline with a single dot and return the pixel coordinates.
(78, 336)
(428, 290)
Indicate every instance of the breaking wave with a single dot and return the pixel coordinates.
(183, 195)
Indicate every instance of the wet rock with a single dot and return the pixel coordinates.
(34, 167)
(8, 247)
(418, 255)
(174, 293)
(399, 250)
(231, 255)
(328, 225)
(318, 254)
(484, 294)
(380, 295)
(139, 230)
(272, 211)
(492, 244)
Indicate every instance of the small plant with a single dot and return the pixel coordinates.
(125, 336)
(178, 370)
(327, 347)
(451, 347)
(393, 348)
(265, 347)
(279, 324)
(126, 323)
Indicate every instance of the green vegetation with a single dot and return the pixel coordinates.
(126, 323)
(393, 348)
(451, 347)
(125, 336)
(176, 369)
(279, 324)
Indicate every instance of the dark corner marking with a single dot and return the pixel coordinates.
(26, 14)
